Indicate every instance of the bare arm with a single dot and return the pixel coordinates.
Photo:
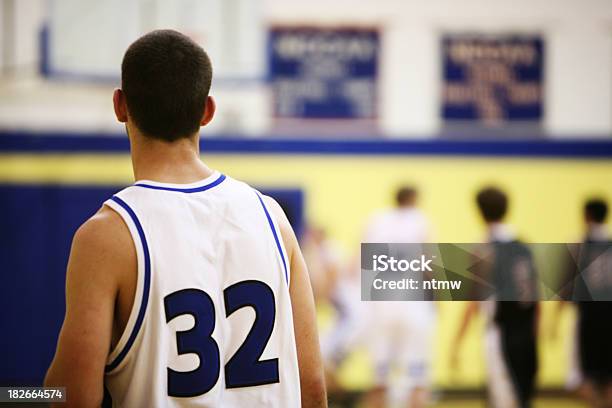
(101, 251)
(312, 381)
(468, 314)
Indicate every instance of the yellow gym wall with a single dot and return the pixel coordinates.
(342, 191)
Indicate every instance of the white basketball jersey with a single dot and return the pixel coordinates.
(211, 323)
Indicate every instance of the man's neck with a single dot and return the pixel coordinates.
(176, 162)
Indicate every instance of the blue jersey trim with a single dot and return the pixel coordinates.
(278, 245)
(218, 181)
(146, 288)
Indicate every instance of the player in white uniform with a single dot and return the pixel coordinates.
(400, 333)
(193, 280)
(397, 334)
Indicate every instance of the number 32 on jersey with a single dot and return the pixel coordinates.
(244, 368)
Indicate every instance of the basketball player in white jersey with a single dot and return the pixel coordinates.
(187, 288)
(397, 334)
(400, 333)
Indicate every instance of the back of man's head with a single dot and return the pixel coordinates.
(596, 211)
(406, 196)
(166, 77)
(492, 203)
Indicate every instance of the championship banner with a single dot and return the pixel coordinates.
(492, 80)
(324, 73)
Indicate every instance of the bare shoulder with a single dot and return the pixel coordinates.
(105, 227)
(104, 237)
(276, 209)
(283, 223)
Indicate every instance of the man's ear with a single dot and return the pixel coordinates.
(120, 106)
(209, 111)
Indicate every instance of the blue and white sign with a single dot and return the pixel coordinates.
(493, 79)
(324, 73)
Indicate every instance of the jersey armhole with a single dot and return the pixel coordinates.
(278, 238)
(143, 283)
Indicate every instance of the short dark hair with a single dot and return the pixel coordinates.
(596, 210)
(166, 77)
(405, 195)
(492, 203)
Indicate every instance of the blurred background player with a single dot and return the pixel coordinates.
(398, 335)
(595, 308)
(329, 285)
(323, 259)
(510, 332)
(591, 283)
